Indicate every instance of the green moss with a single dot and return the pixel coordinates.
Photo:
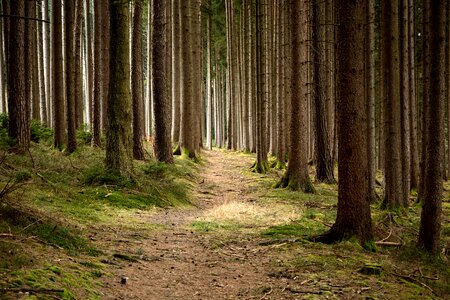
(212, 226)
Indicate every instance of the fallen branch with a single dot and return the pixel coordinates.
(413, 280)
(381, 243)
(266, 294)
(295, 291)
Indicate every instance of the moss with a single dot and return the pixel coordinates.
(212, 226)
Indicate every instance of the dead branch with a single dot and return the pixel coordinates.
(395, 244)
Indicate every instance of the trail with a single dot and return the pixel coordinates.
(183, 264)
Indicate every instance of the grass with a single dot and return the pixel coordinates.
(57, 200)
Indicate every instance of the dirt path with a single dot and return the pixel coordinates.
(182, 264)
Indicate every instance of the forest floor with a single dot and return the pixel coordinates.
(237, 243)
(239, 239)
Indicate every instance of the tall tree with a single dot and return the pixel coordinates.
(394, 196)
(187, 138)
(137, 82)
(69, 55)
(19, 125)
(324, 162)
(353, 212)
(118, 136)
(430, 222)
(163, 144)
(98, 78)
(57, 73)
(297, 177)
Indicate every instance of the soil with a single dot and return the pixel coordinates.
(182, 264)
(179, 263)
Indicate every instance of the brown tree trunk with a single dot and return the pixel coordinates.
(18, 107)
(137, 82)
(98, 78)
(163, 145)
(353, 212)
(430, 223)
(297, 177)
(69, 58)
(119, 156)
(324, 163)
(187, 140)
(176, 69)
(79, 95)
(57, 73)
(105, 49)
(393, 194)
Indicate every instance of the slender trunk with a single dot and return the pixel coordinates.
(57, 74)
(137, 82)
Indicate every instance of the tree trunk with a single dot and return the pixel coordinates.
(187, 114)
(324, 163)
(57, 73)
(137, 82)
(370, 73)
(98, 78)
(176, 69)
(118, 136)
(105, 49)
(430, 222)
(19, 125)
(69, 59)
(163, 145)
(393, 196)
(353, 212)
(79, 95)
(297, 177)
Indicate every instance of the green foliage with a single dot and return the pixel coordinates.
(211, 226)
(84, 136)
(99, 175)
(40, 132)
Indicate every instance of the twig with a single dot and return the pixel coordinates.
(381, 243)
(266, 294)
(31, 158)
(73, 166)
(413, 280)
(292, 290)
(389, 235)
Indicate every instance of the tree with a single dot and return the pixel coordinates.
(97, 99)
(163, 144)
(187, 140)
(324, 162)
(430, 222)
(296, 176)
(353, 212)
(18, 107)
(118, 136)
(137, 82)
(394, 196)
(57, 73)
(69, 54)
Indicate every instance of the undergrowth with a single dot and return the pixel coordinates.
(52, 201)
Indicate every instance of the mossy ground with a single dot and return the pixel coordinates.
(286, 220)
(58, 203)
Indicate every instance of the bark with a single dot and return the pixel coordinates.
(90, 61)
(79, 97)
(69, 55)
(393, 195)
(34, 64)
(137, 82)
(353, 212)
(176, 69)
(297, 177)
(41, 57)
(105, 49)
(98, 78)
(18, 107)
(371, 147)
(118, 136)
(208, 82)
(261, 164)
(163, 145)
(430, 223)
(404, 101)
(57, 74)
(324, 163)
(187, 141)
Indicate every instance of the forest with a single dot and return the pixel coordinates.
(224, 149)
